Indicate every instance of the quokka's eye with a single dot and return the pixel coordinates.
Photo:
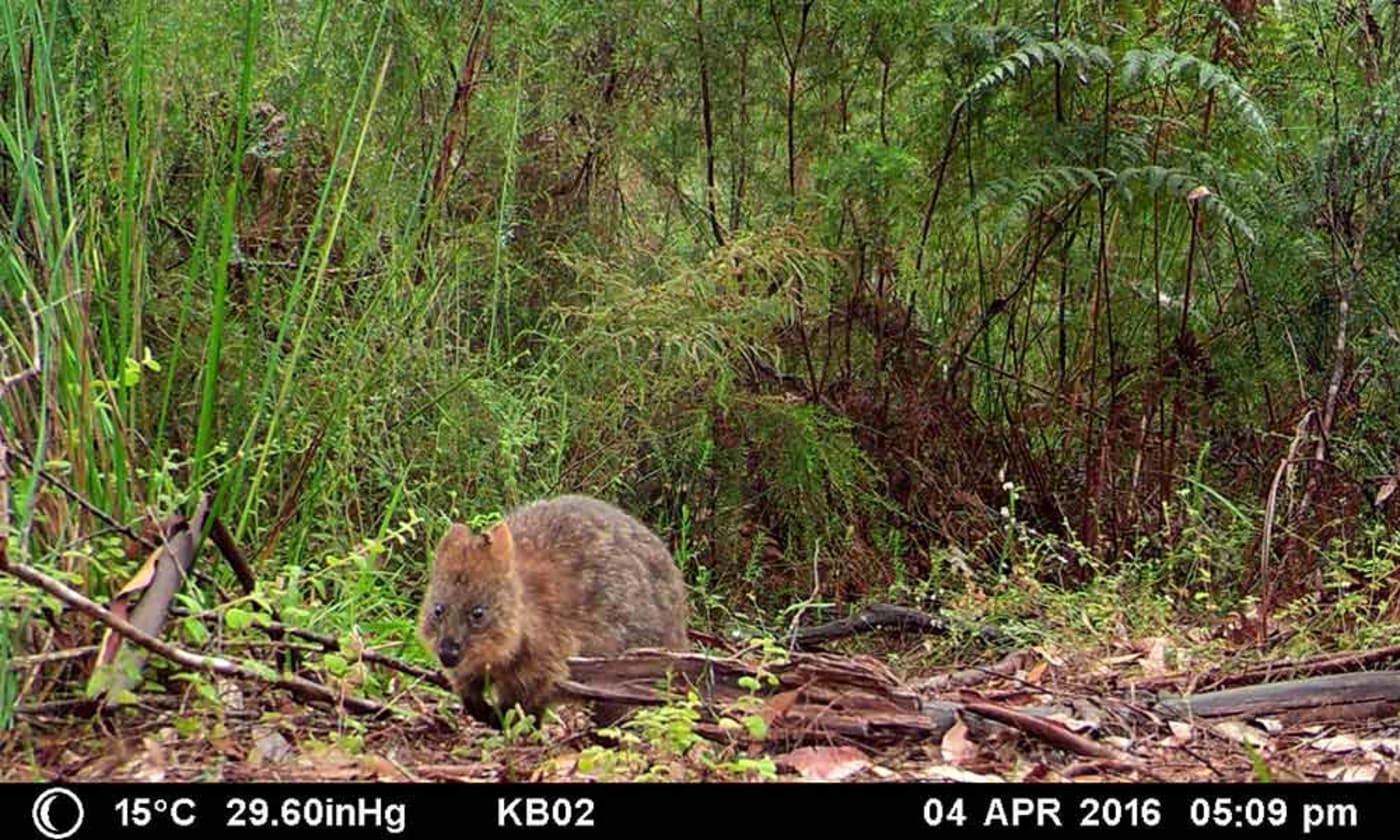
(478, 613)
(438, 610)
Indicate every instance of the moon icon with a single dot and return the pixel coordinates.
(43, 820)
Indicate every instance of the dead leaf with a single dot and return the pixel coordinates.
(226, 747)
(1360, 773)
(1182, 733)
(1198, 193)
(1122, 659)
(384, 769)
(150, 765)
(1337, 744)
(1387, 490)
(1073, 724)
(956, 748)
(230, 693)
(269, 747)
(1154, 664)
(1273, 726)
(824, 763)
(1241, 733)
(1087, 710)
(1384, 746)
(778, 705)
(955, 774)
(1037, 672)
(121, 605)
(337, 772)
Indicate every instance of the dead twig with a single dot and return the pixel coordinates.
(1052, 733)
(968, 677)
(223, 541)
(806, 698)
(875, 617)
(81, 501)
(32, 369)
(68, 706)
(19, 663)
(1327, 663)
(1315, 666)
(1266, 541)
(330, 644)
(1085, 768)
(303, 688)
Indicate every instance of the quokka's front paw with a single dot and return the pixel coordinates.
(475, 705)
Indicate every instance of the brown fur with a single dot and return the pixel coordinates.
(569, 576)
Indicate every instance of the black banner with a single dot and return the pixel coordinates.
(719, 811)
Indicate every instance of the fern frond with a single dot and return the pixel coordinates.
(1176, 183)
(1053, 183)
(1041, 188)
(1066, 53)
(986, 39)
(1164, 65)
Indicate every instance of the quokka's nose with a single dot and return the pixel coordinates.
(449, 653)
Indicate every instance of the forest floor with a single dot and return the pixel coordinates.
(263, 734)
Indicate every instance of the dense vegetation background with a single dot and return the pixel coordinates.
(995, 305)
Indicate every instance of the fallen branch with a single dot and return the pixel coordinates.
(72, 707)
(1051, 732)
(805, 699)
(303, 688)
(872, 617)
(875, 617)
(1296, 698)
(81, 706)
(968, 677)
(1085, 768)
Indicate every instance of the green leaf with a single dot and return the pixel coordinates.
(757, 726)
(238, 619)
(195, 629)
(188, 726)
(336, 664)
(131, 372)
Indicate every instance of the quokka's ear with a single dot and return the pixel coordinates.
(500, 546)
(453, 544)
